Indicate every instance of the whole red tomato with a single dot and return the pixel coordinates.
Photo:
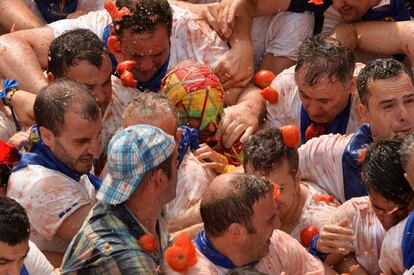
(307, 235)
(263, 78)
(147, 242)
(290, 135)
(177, 258)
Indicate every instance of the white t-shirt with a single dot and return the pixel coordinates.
(192, 181)
(314, 212)
(36, 263)
(285, 255)
(49, 197)
(368, 231)
(287, 109)
(320, 162)
(391, 260)
(112, 120)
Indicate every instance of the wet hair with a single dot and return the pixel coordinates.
(219, 209)
(146, 16)
(265, 150)
(14, 223)
(407, 150)
(146, 105)
(54, 100)
(382, 171)
(321, 55)
(73, 46)
(379, 69)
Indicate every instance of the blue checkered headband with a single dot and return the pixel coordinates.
(132, 153)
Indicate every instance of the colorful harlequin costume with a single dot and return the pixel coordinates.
(197, 93)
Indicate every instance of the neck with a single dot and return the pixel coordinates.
(291, 219)
(224, 246)
(146, 214)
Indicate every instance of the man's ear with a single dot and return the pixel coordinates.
(50, 77)
(363, 113)
(236, 230)
(48, 137)
(160, 178)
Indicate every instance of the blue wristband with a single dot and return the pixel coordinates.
(314, 251)
(8, 84)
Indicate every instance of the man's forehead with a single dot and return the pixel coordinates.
(384, 87)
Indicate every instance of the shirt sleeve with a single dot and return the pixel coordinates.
(94, 21)
(36, 262)
(320, 162)
(283, 251)
(50, 200)
(287, 109)
(286, 32)
(391, 259)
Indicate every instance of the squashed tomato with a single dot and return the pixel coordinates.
(263, 78)
(270, 94)
(114, 46)
(113, 10)
(314, 130)
(316, 2)
(128, 80)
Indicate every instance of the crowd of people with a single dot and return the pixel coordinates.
(137, 137)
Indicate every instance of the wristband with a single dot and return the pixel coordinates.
(314, 251)
(8, 85)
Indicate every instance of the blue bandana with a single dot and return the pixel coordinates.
(154, 84)
(337, 126)
(353, 186)
(189, 139)
(24, 271)
(408, 242)
(395, 11)
(54, 10)
(210, 252)
(40, 154)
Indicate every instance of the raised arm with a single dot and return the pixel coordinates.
(376, 37)
(16, 15)
(23, 56)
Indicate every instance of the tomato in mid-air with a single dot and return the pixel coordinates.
(263, 78)
(307, 235)
(290, 135)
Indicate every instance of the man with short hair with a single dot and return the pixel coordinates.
(300, 203)
(240, 217)
(52, 181)
(17, 254)
(318, 94)
(141, 179)
(386, 90)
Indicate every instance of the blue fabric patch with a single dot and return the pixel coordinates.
(40, 154)
(337, 126)
(54, 10)
(408, 242)
(24, 271)
(190, 139)
(353, 186)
